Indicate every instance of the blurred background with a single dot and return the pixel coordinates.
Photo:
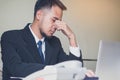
(91, 21)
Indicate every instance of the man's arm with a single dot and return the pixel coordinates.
(74, 48)
(62, 26)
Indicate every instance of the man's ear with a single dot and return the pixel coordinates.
(39, 14)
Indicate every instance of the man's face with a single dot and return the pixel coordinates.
(47, 23)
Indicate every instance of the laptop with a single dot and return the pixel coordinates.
(108, 63)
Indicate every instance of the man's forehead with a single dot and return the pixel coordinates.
(57, 11)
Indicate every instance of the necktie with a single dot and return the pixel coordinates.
(40, 50)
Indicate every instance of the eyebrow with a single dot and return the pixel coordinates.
(56, 18)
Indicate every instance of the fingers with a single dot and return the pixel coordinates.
(90, 73)
(60, 25)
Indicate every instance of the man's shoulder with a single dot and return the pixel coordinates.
(11, 34)
(15, 32)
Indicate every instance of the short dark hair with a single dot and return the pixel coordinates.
(48, 4)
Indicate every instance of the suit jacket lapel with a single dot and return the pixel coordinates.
(31, 45)
(48, 52)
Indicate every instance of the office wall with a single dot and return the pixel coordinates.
(91, 21)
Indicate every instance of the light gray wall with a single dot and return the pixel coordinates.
(91, 21)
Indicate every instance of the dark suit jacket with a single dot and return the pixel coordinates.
(20, 54)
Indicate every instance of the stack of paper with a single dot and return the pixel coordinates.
(68, 70)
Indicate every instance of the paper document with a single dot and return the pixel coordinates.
(68, 70)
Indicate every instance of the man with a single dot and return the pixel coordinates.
(20, 53)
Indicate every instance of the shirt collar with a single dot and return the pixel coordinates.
(36, 38)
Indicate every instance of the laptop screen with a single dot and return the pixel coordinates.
(108, 64)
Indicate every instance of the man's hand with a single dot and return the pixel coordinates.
(62, 26)
(90, 73)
